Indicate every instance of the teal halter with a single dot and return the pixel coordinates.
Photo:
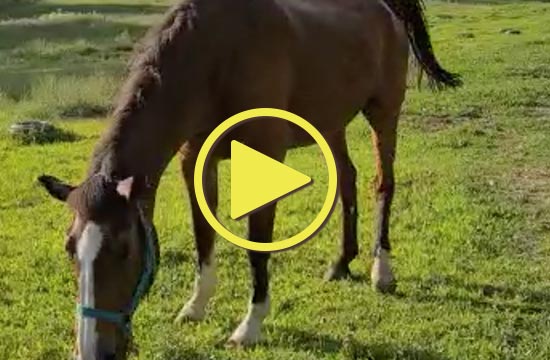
(123, 318)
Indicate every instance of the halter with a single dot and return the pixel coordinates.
(123, 319)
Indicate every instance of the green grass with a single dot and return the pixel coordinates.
(470, 223)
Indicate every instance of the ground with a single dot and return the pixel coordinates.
(470, 225)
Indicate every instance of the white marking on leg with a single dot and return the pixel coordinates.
(249, 330)
(382, 274)
(88, 248)
(205, 288)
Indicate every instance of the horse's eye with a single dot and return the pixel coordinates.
(118, 245)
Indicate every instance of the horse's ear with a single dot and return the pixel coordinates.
(131, 188)
(125, 188)
(56, 187)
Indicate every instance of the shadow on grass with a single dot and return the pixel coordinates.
(175, 257)
(299, 340)
(17, 11)
(175, 353)
(5, 295)
(485, 296)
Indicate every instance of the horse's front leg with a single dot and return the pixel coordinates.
(205, 280)
(260, 230)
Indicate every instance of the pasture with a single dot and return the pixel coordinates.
(470, 226)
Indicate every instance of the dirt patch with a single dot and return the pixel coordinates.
(438, 122)
(531, 185)
(430, 123)
(533, 72)
(537, 111)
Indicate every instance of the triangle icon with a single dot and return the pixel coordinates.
(258, 180)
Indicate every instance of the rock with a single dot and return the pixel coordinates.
(510, 31)
(466, 35)
(39, 132)
(28, 127)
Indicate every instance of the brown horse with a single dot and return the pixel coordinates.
(325, 60)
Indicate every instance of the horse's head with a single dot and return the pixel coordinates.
(113, 248)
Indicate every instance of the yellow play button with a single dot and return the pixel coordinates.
(258, 180)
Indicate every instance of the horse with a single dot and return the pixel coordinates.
(325, 60)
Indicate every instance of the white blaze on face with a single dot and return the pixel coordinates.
(87, 250)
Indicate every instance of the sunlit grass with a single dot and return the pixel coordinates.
(469, 228)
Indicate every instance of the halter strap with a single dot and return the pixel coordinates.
(123, 318)
(118, 318)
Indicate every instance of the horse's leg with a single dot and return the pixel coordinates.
(348, 194)
(249, 330)
(205, 280)
(260, 230)
(383, 120)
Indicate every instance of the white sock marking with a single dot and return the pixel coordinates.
(205, 288)
(249, 330)
(382, 274)
(88, 248)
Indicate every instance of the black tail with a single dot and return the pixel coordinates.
(411, 12)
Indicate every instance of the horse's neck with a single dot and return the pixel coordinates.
(138, 147)
(163, 103)
(142, 143)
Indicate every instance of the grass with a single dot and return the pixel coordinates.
(470, 224)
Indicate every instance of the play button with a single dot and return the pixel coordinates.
(258, 180)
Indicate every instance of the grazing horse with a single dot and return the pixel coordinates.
(325, 60)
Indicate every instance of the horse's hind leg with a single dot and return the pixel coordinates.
(205, 281)
(348, 193)
(383, 121)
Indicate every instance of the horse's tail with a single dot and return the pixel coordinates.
(411, 12)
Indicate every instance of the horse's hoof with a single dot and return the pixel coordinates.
(190, 313)
(382, 277)
(245, 335)
(337, 272)
(385, 287)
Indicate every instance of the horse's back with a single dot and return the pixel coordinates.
(342, 56)
(321, 59)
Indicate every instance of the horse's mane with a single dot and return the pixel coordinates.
(145, 69)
